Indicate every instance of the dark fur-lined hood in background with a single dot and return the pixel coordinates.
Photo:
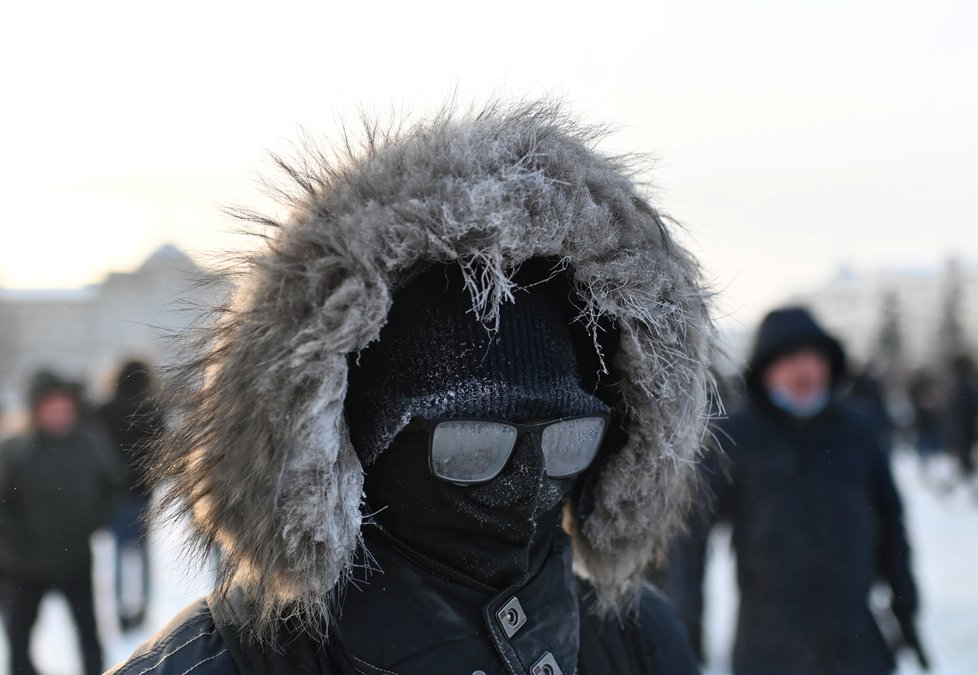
(260, 457)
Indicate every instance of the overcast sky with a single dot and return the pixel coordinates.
(790, 137)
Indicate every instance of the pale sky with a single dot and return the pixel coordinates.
(790, 137)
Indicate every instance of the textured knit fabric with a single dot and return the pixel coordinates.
(435, 358)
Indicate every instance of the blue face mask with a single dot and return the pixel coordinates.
(799, 407)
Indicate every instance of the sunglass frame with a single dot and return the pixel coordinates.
(522, 428)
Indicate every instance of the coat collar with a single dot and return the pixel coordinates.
(416, 616)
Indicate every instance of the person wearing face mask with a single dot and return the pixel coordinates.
(448, 419)
(816, 517)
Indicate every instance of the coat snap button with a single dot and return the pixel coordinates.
(511, 617)
(547, 665)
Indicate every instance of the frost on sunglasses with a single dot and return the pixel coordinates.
(467, 451)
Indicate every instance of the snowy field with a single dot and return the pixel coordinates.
(943, 527)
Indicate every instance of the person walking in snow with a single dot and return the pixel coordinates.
(132, 421)
(929, 404)
(962, 414)
(816, 518)
(471, 331)
(57, 486)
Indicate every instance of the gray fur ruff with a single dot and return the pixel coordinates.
(259, 457)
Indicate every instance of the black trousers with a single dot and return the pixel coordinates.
(23, 599)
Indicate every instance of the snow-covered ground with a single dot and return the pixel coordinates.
(943, 527)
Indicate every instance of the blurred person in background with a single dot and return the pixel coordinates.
(868, 386)
(962, 414)
(816, 518)
(929, 407)
(57, 483)
(132, 420)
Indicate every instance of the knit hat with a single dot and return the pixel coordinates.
(436, 358)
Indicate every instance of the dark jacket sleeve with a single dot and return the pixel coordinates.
(108, 471)
(687, 554)
(189, 645)
(6, 502)
(665, 637)
(894, 549)
(11, 455)
(9, 498)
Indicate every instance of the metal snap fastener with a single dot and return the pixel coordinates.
(479, 672)
(547, 665)
(511, 617)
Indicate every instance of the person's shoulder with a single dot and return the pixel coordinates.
(13, 441)
(853, 409)
(737, 426)
(190, 645)
(743, 412)
(104, 409)
(650, 640)
(13, 449)
(856, 417)
(664, 635)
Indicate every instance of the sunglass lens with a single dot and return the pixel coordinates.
(470, 451)
(569, 446)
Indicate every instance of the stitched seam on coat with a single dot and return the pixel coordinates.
(166, 656)
(209, 658)
(161, 645)
(370, 665)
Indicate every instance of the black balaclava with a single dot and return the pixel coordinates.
(435, 358)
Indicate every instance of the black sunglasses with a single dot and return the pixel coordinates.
(469, 451)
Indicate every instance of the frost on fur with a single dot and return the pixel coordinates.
(260, 459)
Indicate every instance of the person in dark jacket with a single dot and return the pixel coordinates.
(816, 518)
(57, 483)
(962, 414)
(132, 420)
(868, 388)
(930, 405)
(472, 332)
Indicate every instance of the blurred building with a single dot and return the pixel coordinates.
(904, 318)
(915, 316)
(85, 333)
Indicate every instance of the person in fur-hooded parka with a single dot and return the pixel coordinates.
(299, 390)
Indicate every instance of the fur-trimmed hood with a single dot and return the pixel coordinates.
(260, 456)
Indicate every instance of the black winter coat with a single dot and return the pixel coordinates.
(816, 520)
(132, 424)
(54, 493)
(414, 618)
